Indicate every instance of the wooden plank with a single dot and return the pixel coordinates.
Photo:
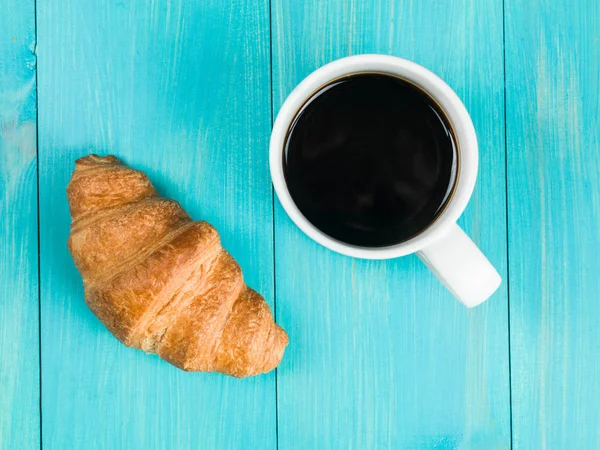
(553, 136)
(182, 91)
(19, 301)
(381, 356)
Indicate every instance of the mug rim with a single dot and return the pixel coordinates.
(432, 85)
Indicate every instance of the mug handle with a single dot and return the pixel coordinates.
(461, 267)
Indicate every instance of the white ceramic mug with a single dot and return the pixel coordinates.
(442, 246)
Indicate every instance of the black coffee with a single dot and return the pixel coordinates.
(370, 160)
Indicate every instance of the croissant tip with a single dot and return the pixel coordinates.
(95, 160)
(285, 338)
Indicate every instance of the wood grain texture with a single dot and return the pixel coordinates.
(553, 136)
(381, 355)
(180, 90)
(19, 305)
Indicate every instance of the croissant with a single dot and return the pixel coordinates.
(161, 282)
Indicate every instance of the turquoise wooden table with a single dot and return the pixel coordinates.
(380, 355)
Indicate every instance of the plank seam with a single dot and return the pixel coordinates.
(507, 223)
(273, 221)
(37, 174)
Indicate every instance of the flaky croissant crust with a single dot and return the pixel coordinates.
(161, 282)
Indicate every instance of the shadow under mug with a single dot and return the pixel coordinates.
(443, 246)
